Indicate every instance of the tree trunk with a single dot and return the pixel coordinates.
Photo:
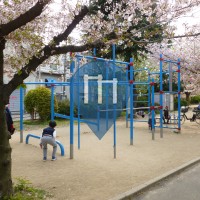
(188, 96)
(6, 187)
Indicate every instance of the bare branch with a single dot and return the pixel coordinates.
(182, 36)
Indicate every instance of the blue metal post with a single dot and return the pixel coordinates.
(79, 125)
(149, 91)
(114, 105)
(21, 113)
(52, 102)
(131, 101)
(72, 111)
(153, 110)
(107, 95)
(94, 52)
(179, 95)
(127, 91)
(161, 97)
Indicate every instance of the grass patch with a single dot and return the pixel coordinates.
(38, 124)
(23, 190)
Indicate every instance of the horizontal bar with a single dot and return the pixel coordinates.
(167, 127)
(140, 101)
(75, 118)
(170, 61)
(101, 59)
(48, 83)
(140, 120)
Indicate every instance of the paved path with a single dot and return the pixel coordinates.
(185, 186)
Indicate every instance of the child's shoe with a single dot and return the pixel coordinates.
(44, 159)
(53, 158)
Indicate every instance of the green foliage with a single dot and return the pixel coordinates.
(165, 78)
(64, 108)
(143, 100)
(24, 191)
(39, 100)
(183, 103)
(29, 102)
(133, 47)
(195, 99)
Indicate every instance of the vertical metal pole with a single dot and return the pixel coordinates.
(149, 91)
(131, 101)
(179, 95)
(21, 113)
(65, 72)
(161, 96)
(79, 125)
(94, 52)
(127, 96)
(170, 79)
(114, 105)
(107, 70)
(52, 102)
(98, 118)
(170, 86)
(153, 111)
(72, 111)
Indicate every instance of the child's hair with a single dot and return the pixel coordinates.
(52, 124)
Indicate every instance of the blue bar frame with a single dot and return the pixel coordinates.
(62, 150)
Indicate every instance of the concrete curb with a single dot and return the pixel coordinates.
(129, 195)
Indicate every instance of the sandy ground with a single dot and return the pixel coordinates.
(94, 174)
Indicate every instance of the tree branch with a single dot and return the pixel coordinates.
(23, 19)
(182, 36)
(78, 18)
(164, 37)
(45, 53)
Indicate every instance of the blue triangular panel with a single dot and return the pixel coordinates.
(98, 114)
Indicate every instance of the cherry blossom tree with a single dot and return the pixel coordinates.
(31, 31)
(187, 49)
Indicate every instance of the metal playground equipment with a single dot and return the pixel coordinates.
(100, 89)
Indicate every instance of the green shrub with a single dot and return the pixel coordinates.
(30, 103)
(64, 108)
(195, 99)
(143, 100)
(39, 100)
(183, 103)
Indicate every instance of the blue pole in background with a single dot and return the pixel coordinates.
(131, 101)
(52, 102)
(179, 95)
(107, 71)
(127, 91)
(21, 113)
(153, 110)
(94, 52)
(114, 105)
(161, 96)
(149, 92)
(72, 111)
(79, 125)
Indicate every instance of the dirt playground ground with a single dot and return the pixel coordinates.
(94, 174)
